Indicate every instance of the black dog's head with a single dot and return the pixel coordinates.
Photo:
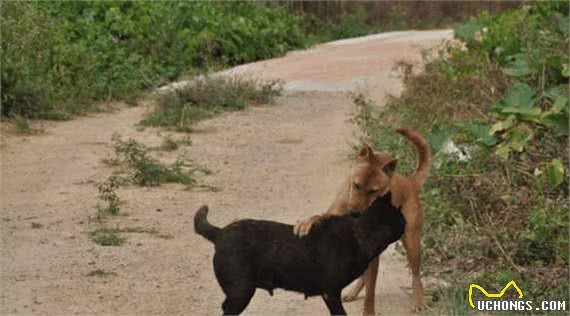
(383, 202)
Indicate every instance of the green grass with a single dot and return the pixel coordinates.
(205, 97)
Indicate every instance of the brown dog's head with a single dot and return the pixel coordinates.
(370, 178)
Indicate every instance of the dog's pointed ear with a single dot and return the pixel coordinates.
(366, 152)
(390, 167)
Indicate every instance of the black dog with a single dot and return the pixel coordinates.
(254, 254)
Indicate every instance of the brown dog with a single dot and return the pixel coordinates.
(371, 175)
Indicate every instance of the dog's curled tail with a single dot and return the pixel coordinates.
(203, 227)
(424, 154)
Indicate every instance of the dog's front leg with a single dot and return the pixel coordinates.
(334, 303)
(370, 282)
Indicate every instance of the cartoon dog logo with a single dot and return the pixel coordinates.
(491, 295)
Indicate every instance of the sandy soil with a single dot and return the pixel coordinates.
(281, 162)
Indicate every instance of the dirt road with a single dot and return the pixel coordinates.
(281, 162)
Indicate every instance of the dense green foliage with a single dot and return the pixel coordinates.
(501, 211)
(59, 57)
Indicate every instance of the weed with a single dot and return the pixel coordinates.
(168, 144)
(105, 237)
(207, 96)
(146, 171)
(112, 237)
(108, 195)
(171, 144)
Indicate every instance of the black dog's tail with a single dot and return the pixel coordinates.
(203, 227)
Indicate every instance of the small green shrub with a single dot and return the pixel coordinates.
(144, 170)
(205, 97)
(105, 237)
(108, 195)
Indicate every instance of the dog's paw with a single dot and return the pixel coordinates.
(304, 227)
(369, 313)
(418, 308)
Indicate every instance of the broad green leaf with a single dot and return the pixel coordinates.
(481, 133)
(515, 139)
(466, 31)
(520, 95)
(558, 117)
(518, 66)
(560, 104)
(502, 125)
(554, 92)
(532, 112)
(438, 137)
(565, 70)
(555, 171)
(558, 122)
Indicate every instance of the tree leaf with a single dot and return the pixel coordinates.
(555, 171)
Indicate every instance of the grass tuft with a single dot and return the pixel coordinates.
(207, 96)
(145, 170)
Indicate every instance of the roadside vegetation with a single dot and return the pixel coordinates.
(137, 166)
(495, 111)
(204, 97)
(59, 58)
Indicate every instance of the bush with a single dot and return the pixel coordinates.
(144, 170)
(202, 98)
(59, 57)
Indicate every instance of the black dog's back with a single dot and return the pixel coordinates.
(254, 254)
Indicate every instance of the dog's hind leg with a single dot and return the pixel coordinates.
(237, 280)
(334, 303)
(370, 282)
(236, 302)
(412, 245)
